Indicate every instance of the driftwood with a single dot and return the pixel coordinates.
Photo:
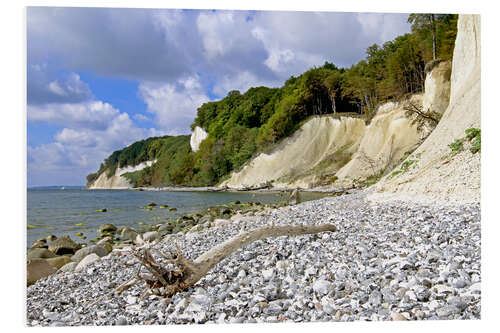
(181, 273)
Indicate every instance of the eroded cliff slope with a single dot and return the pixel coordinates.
(435, 171)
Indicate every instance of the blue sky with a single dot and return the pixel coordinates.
(99, 79)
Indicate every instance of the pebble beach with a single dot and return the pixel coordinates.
(388, 260)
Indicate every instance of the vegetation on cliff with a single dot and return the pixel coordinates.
(241, 125)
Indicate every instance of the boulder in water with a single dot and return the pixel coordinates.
(64, 245)
(40, 244)
(106, 228)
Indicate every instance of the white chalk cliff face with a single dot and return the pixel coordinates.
(435, 173)
(197, 137)
(310, 154)
(315, 141)
(117, 181)
(437, 88)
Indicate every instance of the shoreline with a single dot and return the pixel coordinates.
(326, 267)
(332, 190)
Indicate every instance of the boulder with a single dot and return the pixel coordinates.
(59, 262)
(64, 245)
(69, 267)
(128, 233)
(51, 238)
(82, 253)
(91, 258)
(103, 210)
(37, 269)
(152, 204)
(221, 222)
(150, 236)
(106, 228)
(40, 244)
(294, 197)
(40, 253)
(165, 229)
(106, 243)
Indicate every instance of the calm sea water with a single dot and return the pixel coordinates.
(67, 212)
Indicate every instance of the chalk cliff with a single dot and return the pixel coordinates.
(435, 172)
(197, 137)
(117, 181)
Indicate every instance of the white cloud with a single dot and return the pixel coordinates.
(241, 81)
(214, 28)
(141, 117)
(93, 114)
(174, 105)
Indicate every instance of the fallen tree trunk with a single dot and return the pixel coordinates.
(184, 273)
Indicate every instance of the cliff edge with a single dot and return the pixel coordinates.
(436, 172)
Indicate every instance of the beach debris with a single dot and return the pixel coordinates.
(294, 197)
(183, 273)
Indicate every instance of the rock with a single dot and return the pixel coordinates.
(396, 316)
(82, 253)
(106, 228)
(51, 238)
(294, 197)
(150, 236)
(267, 274)
(322, 286)
(91, 258)
(37, 269)
(59, 262)
(128, 233)
(120, 321)
(41, 253)
(221, 222)
(103, 210)
(64, 245)
(107, 243)
(173, 209)
(165, 229)
(152, 204)
(447, 311)
(69, 267)
(40, 244)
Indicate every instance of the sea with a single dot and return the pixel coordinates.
(64, 210)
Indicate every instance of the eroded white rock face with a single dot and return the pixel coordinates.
(117, 181)
(458, 178)
(437, 88)
(307, 147)
(389, 135)
(197, 137)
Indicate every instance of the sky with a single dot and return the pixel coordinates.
(99, 79)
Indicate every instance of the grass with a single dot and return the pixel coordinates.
(405, 166)
(472, 135)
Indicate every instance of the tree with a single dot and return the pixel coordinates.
(425, 22)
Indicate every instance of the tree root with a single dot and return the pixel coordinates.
(180, 273)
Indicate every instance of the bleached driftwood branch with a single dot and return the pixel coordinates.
(185, 273)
